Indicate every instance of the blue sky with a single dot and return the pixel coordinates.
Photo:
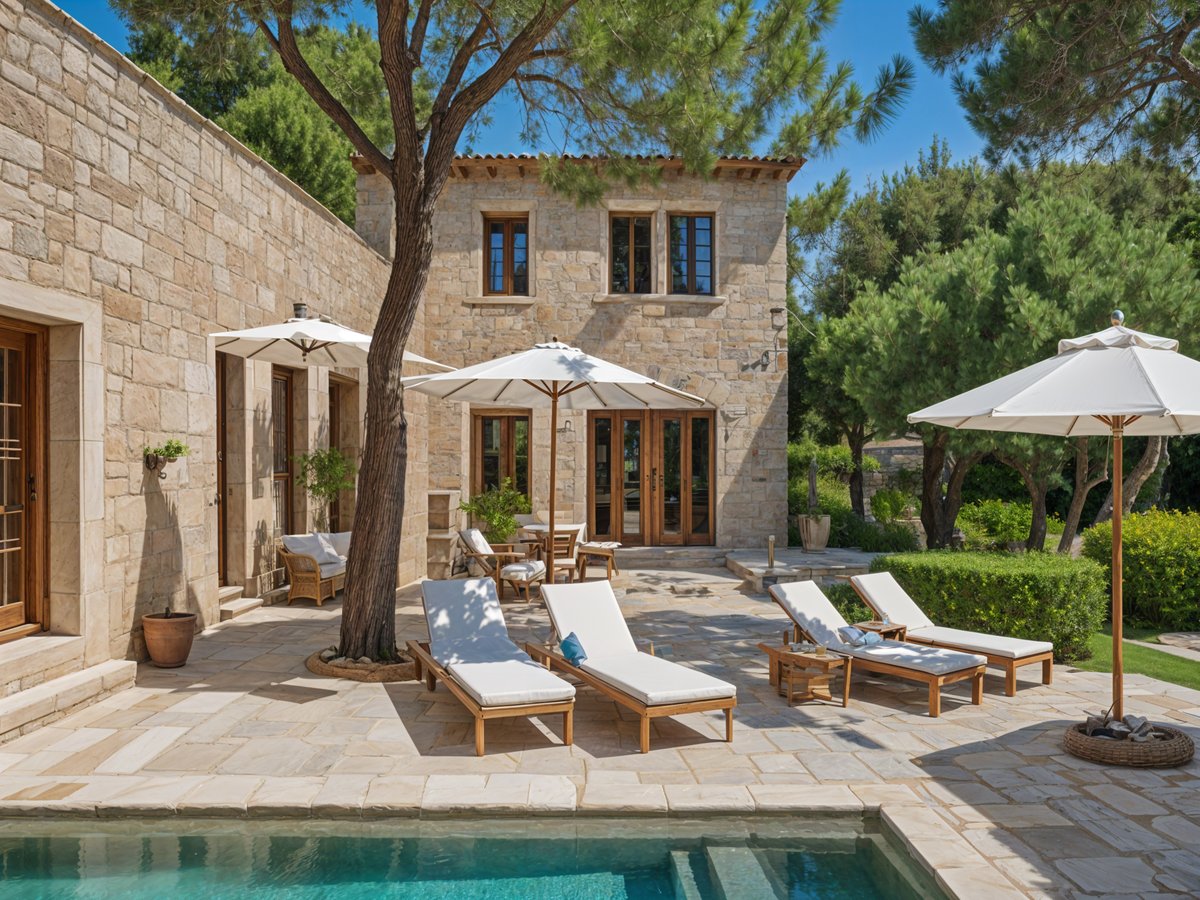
(867, 33)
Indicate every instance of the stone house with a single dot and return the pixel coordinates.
(684, 280)
(132, 229)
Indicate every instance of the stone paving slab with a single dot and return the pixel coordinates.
(985, 796)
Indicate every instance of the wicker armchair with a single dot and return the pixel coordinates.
(306, 579)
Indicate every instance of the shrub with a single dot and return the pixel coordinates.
(1161, 566)
(889, 504)
(846, 601)
(1038, 596)
(994, 523)
(832, 459)
(495, 510)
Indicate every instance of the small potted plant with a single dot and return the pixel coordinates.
(324, 474)
(494, 512)
(814, 527)
(167, 452)
(169, 637)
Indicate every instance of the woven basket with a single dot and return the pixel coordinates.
(1174, 750)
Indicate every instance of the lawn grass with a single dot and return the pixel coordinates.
(1141, 660)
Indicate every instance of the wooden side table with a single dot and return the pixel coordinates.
(886, 630)
(806, 676)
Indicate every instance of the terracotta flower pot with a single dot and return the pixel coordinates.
(169, 639)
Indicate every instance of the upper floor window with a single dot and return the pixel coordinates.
(630, 248)
(506, 255)
(691, 254)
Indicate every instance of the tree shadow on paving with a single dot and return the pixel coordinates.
(1061, 824)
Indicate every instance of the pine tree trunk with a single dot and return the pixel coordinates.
(856, 437)
(1037, 525)
(1085, 480)
(939, 507)
(1155, 447)
(369, 604)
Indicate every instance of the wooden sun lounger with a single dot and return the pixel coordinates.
(1009, 664)
(934, 681)
(645, 713)
(432, 672)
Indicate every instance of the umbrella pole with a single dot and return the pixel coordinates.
(553, 481)
(1117, 573)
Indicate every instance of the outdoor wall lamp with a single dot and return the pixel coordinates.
(779, 317)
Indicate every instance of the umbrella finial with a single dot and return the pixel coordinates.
(1117, 318)
(299, 310)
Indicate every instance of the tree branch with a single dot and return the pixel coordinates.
(293, 60)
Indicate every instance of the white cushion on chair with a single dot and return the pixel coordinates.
(529, 570)
(590, 610)
(884, 595)
(977, 642)
(462, 610)
(329, 553)
(475, 540)
(918, 657)
(332, 570)
(339, 541)
(304, 545)
(511, 682)
(656, 681)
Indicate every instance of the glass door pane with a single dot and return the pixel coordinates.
(631, 485)
(13, 474)
(699, 501)
(671, 477)
(601, 477)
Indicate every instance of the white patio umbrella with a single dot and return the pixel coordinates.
(302, 341)
(1115, 382)
(562, 376)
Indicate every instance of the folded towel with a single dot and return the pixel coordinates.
(572, 649)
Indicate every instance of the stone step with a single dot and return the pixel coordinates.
(228, 592)
(39, 705)
(737, 872)
(669, 557)
(793, 564)
(239, 606)
(683, 878)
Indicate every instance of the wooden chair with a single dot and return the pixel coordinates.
(502, 562)
(603, 551)
(565, 543)
(305, 578)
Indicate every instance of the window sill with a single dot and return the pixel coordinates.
(499, 300)
(668, 299)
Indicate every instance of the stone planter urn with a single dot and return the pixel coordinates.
(169, 637)
(814, 532)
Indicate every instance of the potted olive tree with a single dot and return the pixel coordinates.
(324, 474)
(169, 637)
(495, 511)
(813, 526)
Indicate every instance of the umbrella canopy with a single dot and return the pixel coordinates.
(553, 375)
(305, 342)
(1115, 382)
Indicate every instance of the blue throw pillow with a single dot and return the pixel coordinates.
(572, 649)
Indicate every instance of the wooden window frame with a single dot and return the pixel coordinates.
(507, 220)
(507, 445)
(612, 250)
(278, 373)
(691, 259)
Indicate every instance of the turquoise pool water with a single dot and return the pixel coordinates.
(484, 860)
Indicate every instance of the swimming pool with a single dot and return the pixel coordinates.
(496, 859)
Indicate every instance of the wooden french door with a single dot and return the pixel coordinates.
(23, 486)
(652, 477)
(222, 480)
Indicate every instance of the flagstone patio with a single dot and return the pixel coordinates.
(245, 730)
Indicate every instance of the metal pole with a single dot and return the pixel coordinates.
(1117, 573)
(553, 479)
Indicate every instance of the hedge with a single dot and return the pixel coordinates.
(1039, 596)
(1161, 565)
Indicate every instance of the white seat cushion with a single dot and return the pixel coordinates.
(338, 541)
(590, 610)
(328, 552)
(463, 610)
(475, 541)
(656, 681)
(511, 682)
(932, 660)
(331, 570)
(884, 595)
(530, 570)
(488, 648)
(809, 608)
(304, 545)
(977, 642)
(586, 546)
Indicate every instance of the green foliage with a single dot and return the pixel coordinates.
(890, 504)
(495, 510)
(1139, 660)
(848, 529)
(990, 524)
(846, 601)
(1161, 554)
(323, 474)
(1037, 596)
(832, 459)
(172, 448)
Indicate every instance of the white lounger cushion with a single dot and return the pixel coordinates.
(656, 681)
(977, 642)
(808, 606)
(467, 635)
(590, 610)
(530, 570)
(884, 595)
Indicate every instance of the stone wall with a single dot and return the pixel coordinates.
(153, 228)
(726, 348)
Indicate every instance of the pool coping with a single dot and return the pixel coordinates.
(955, 864)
